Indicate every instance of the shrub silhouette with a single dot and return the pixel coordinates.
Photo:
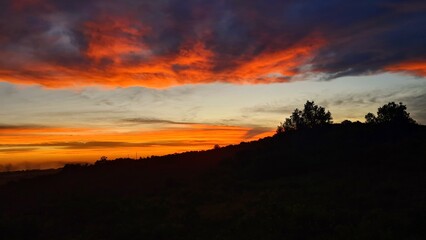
(102, 160)
(392, 114)
(311, 116)
(346, 122)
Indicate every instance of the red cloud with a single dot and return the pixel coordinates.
(413, 67)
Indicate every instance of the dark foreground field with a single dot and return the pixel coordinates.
(336, 182)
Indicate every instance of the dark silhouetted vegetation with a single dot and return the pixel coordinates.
(346, 122)
(390, 114)
(311, 116)
(338, 181)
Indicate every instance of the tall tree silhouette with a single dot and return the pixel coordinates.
(311, 116)
(391, 113)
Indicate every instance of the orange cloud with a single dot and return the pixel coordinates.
(111, 37)
(284, 62)
(117, 56)
(414, 67)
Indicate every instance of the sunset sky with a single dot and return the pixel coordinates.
(85, 78)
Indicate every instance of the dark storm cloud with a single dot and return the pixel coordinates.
(375, 44)
(62, 43)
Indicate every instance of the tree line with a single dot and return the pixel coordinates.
(313, 115)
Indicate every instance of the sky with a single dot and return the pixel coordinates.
(133, 78)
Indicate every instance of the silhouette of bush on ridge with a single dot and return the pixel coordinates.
(311, 116)
(390, 114)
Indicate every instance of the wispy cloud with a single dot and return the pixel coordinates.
(258, 132)
(28, 129)
(21, 127)
(155, 121)
(88, 145)
(16, 149)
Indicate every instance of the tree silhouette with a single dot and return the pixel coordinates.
(311, 116)
(370, 118)
(391, 113)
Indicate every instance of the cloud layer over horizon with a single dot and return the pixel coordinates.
(60, 43)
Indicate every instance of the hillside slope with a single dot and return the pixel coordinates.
(336, 182)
